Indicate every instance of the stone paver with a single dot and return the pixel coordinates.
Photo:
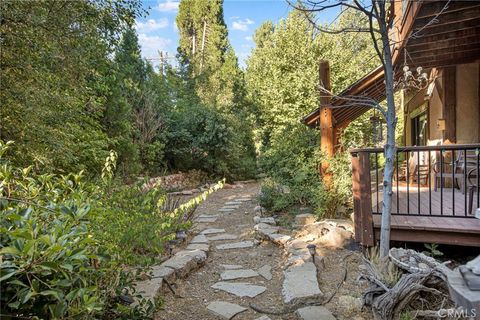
(300, 283)
(238, 274)
(264, 317)
(212, 231)
(208, 216)
(268, 220)
(231, 266)
(164, 272)
(233, 203)
(149, 289)
(224, 309)
(226, 210)
(243, 199)
(236, 245)
(231, 207)
(220, 237)
(240, 289)
(198, 246)
(315, 313)
(266, 272)
(280, 238)
(199, 239)
(205, 220)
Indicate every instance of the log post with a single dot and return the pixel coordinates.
(362, 198)
(327, 138)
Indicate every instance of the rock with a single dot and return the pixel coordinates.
(185, 261)
(264, 317)
(236, 245)
(246, 199)
(238, 274)
(301, 283)
(267, 220)
(212, 231)
(231, 266)
(205, 220)
(337, 238)
(208, 216)
(226, 210)
(304, 219)
(233, 203)
(423, 266)
(225, 236)
(163, 272)
(149, 289)
(199, 239)
(297, 244)
(231, 207)
(259, 209)
(198, 246)
(279, 238)
(224, 309)
(187, 192)
(240, 289)
(265, 272)
(315, 313)
(349, 304)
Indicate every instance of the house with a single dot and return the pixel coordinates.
(436, 181)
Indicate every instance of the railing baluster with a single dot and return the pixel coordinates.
(429, 183)
(418, 181)
(396, 191)
(441, 182)
(453, 182)
(376, 177)
(465, 169)
(478, 177)
(408, 183)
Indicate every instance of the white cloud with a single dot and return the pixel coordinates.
(249, 38)
(152, 44)
(242, 25)
(151, 25)
(168, 5)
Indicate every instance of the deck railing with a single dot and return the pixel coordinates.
(433, 181)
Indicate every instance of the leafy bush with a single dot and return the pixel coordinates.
(64, 242)
(292, 161)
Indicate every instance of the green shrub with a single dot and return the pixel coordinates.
(65, 242)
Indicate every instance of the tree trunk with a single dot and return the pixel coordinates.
(390, 147)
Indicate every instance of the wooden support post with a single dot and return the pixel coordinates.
(362, 199)
(449, 104)
(327, 139)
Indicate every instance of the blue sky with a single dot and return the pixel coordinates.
(158, 31)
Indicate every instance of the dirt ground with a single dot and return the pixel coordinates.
(196, 292)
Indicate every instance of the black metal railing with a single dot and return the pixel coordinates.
(429, 180)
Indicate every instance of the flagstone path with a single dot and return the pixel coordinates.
(235, 270)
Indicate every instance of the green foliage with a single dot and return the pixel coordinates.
(52, 265)
(432, 250)
(282, 79)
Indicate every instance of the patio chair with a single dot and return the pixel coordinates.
(466, 162)
(447, 170)
(473, 187)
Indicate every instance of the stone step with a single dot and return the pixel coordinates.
(212, 231)
(266, 272)
(199, 239)
(267, 220)
(220, 237)
(300, 283)
(235, 245)
(315, 313)
(231, 266)
(226, 310)
(233, 203)
(238, 274)
(240, 289)
(185, 261)
(226, 210)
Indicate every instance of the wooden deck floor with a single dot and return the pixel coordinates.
(429, 216)
(414, 200)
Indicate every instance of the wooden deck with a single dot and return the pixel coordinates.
(440, 218)
(447, 203)
(445, 230)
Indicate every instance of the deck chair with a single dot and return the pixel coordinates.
(473, 187)
(466, 163)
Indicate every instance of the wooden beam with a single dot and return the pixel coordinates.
(327, 140)
(449, 104)
(450, 17)
(448, 60)
(458, 44)
(434, 54)
(454, 26)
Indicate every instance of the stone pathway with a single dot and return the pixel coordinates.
(224, 268)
